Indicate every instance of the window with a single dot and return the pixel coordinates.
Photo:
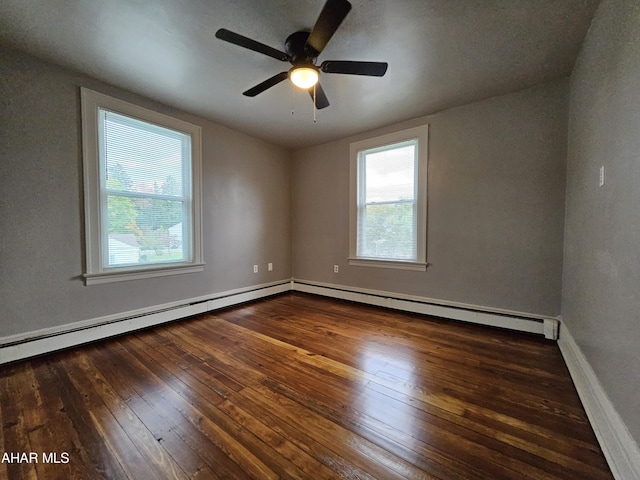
(142, 191)
(389, 199)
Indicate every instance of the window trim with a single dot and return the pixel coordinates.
(421, 134)
(95, 271)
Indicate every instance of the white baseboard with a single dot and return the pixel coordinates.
(31, 344)
(520, 321)
(619, 447)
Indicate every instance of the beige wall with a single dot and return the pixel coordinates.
(601, 287)
(496, 206)
(246, 205)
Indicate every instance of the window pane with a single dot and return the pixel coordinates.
(145, 231)
(387, 213)
(142, 157)
(389, 174)
(388, 231)
(145, 166)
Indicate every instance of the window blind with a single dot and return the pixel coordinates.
(387, 194)
(146, 184)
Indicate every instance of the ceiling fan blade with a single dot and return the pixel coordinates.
(261, 87)
(321, 98)
(331, 16)
(372, 69)
(237, 39)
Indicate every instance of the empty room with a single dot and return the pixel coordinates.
(320, 239)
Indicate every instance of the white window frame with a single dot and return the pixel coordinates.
(96, 271)
(421, 134)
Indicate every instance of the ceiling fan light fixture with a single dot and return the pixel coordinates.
(301, 49)
(304, 77)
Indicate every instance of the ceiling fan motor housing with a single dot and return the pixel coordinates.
(297, 49)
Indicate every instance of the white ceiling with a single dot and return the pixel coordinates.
(441, 53)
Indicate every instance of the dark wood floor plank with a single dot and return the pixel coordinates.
(116, 426)
(375, 322)
(290, 373)
(164, 427)
(247, 450)
(452, 434)
(194, 378)
(326, 457)
(482, 385)
(396, 438)
(359, 453)
(442, 364)
(302, 387)
(214, 352)
(161, 390)
(378, 421)
(305, 465)
(54, 433)
(504, 418)
(98, 434)
(13, 385)
(156, 460)
(480, 388)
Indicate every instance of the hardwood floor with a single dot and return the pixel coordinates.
(297, 386)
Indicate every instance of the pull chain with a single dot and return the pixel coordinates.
(315, 99)
(314, 103)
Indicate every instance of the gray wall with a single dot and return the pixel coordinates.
(496, 211)
(496, 206)
(601, 286)
(246, 205)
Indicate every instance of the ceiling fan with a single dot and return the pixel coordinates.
(302, 49)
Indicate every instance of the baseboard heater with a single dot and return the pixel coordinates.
(41, 343)
(523, 322)
(31, 344)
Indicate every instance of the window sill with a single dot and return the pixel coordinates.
(118, 275)
(396, 264)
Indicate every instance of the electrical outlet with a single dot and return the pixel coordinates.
(336, 269)
(270, 266)
(255, 269)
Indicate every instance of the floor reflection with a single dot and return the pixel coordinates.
(393, 373)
